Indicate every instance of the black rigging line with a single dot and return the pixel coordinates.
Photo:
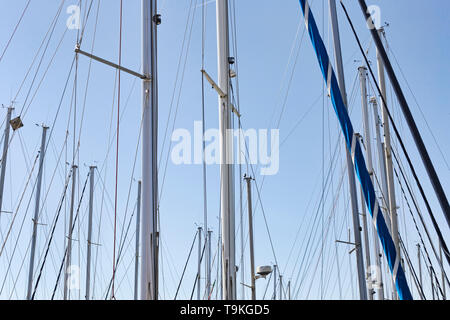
(416, 279)
(198, 275)
(122, 244)
(52, 234)
(417, 209)
(73, 227)
(432, 273)
(185, 266)
(53, 27)
(267, 286)
(422, 192)
(437, 186)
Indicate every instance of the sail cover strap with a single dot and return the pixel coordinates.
(353, 146)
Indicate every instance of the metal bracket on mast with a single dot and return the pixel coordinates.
(235, 111)
(220, 92)
(347, 242)
(111, 64)
(214, 85)
(356, 245)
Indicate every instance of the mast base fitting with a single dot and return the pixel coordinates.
(157, 19)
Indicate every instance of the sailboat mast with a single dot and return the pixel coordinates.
(208, 274)
(226, 155)
(4, 156)
(89, 240)
(36, 210)
(138, 232)
(419, 259)
(368, 142)
(199, 266)
(388, 159)
(250, 231)
(69, 237)
(351, 175)
(382, 163)
(432, 174)
(149, 260)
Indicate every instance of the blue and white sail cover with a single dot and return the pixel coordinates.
(353, 145)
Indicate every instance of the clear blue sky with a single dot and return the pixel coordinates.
(266, 31)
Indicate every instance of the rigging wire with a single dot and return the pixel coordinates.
(14, 218)
(436, 226)
(177, 75)
(15, 30)
(122, 236)
(117, 151)
(198, 275)
(416, 280)
(418, 212)
(52, 29)
(65, 252)
(53, 26)
(178, 98)
(330, 170)
(185, 266)
(52, 232)
(67, 81)
(260, 200)
(205, 195)
(444, 158)
(105, 166)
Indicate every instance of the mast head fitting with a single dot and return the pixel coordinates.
(231, 60)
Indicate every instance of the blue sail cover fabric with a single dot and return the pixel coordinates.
(353, 145)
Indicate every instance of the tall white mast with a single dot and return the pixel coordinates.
(5, 156)
(382, 163)
(149, 243)
(250, 231)
(36, 210)
(366, 248)
(388, 159)
(69, 237)
(368, 143)
(351, 175)
(380, 285)
(226, 156)
(89, 240)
